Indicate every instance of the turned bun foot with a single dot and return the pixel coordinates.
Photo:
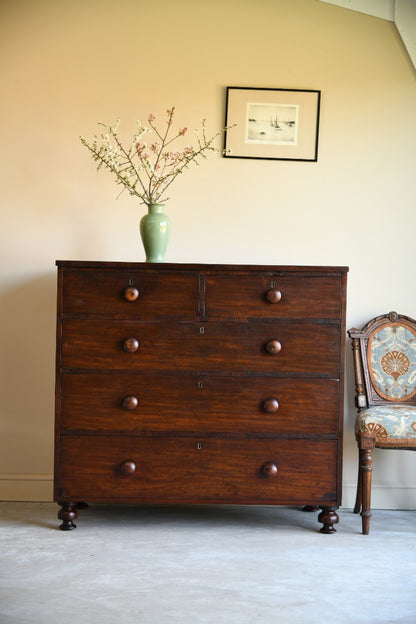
(328, 517)
(68, 514)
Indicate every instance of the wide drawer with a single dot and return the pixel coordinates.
(146, 403)
(146, 294)
(263, 296)
(233, 347)
(197, 470)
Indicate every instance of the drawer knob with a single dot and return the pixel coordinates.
(130, 402)
(128, 467)
(131, 294)
(273, 347)
(131, 345)
(271, 405)
(269, 469)
(273, 295)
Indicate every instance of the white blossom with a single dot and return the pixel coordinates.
(146, 172)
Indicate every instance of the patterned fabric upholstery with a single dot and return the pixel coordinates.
(394, 422)
(392, 362)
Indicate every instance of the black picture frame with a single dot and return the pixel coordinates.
(272, 124)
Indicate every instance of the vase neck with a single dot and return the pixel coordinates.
(152, 208)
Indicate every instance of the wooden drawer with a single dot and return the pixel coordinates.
(142, 404)
(172, 294)
(246, 296)
(197, 470)
(233, 347)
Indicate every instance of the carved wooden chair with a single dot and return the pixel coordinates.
(385, 374)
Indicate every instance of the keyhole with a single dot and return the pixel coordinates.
(199, 445)
(131, 282)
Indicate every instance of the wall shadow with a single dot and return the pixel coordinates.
(28, 326)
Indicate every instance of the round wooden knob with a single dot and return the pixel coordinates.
(128, 467)
(131, 294)
(131, 345)
(130, 402)
(273, 295)
(269, 469)
(273, 347)
(271, 405)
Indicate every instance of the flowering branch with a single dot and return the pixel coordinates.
(146, 171)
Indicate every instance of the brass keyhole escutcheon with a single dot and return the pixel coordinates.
(199, 446)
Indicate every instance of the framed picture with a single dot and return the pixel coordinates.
(272, 124)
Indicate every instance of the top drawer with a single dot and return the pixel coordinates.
(140, 294)
(264, 296)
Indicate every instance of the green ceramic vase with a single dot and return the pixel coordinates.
(155, 231)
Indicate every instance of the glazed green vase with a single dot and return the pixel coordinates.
(155, 231)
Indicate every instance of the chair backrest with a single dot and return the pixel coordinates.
(385, 361)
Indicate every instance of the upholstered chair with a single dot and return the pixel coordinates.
(384, 354)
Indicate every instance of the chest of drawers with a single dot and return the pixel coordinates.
(199, 384)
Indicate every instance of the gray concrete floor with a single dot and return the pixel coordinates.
(204, 565)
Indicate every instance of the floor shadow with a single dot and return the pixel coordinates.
(193, 515)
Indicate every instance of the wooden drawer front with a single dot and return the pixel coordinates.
(246, 296)
(140, 404)
(191, 470)
(235, 347)
(173, 294)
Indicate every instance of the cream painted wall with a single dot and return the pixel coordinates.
(64, 66)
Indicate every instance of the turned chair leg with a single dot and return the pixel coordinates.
(366, 469)
(358, 499)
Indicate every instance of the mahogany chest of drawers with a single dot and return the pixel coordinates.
(214, 384)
